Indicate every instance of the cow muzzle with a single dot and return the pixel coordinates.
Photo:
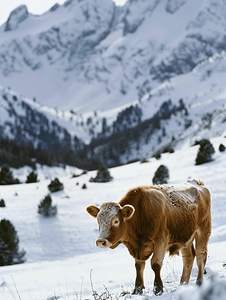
(103, 243)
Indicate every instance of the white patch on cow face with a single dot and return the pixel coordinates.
(107, 216)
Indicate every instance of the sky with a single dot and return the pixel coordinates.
(34, 6)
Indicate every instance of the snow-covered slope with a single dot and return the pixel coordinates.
(91, 55)
(186, 107)
(25, 121)
(148, 72)
(61, 251)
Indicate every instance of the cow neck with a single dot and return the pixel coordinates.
(138, 238)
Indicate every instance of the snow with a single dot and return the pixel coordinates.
(112, 39)
(61, 250)
(93, 82)
(111, 68)
(200, 93)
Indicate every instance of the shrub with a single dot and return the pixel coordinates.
(205, 152)
(168, 150)
(84, 186)
(83, 173)
(6, 177)
(55, 186)
(103, 175)
(2, 203)
(144, 161)
(9, 245)
(158, 156)
(32, 177)
(221, 148)
(161, 175)
(45, 207)
(74, 176)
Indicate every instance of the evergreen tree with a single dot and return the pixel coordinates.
(161, 175)
(205, 152)
(32, 177)
(6, 176)
(45, 207)
(2, 203)
(221, 148)
(55, 186)
(103, 175)
(9, 245)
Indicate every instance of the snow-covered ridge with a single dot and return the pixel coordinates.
(202, 92)
(209, 60)
(27, 124)
(99, 56)
(16, 17)
(117, 73)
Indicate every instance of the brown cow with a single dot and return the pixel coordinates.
(152, 220)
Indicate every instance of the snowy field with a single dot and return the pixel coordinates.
(61, 250)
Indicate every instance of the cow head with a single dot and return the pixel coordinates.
(112, 218)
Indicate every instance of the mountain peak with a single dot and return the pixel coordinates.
(55, 7)
(173, 5)
(17, 16)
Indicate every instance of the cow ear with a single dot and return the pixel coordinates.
(92, 210)
(127, 212)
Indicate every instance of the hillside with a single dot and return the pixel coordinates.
(61, 250)
(23, 122)
(183, 109)
(114, 83)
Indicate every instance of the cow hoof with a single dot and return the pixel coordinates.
(158, 290)
(138, 290)
(199, 281)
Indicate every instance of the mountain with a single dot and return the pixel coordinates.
(92, 55)
(123, 82)
(186, 108)
(22, 122)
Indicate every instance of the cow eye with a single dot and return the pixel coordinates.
(116, 222)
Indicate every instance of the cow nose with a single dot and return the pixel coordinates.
(103, 243)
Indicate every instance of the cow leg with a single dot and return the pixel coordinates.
(156, 265)
(188, 255)
(201, 240)
(139, 283)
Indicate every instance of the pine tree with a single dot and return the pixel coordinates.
(9, 245)
(161, 175)
(103, 175)
(55, 186)
(32, 177)
(205, 152)
(2, 203)
(6, 176)
(221, 148)
(45, 207)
